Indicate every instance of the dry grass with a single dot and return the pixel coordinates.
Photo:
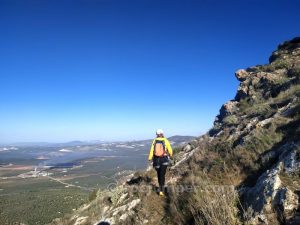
(206, 203)
(214, 208)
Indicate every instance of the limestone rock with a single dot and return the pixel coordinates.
(241, 75)
(229, 108)
(270, 194)
(187, 148)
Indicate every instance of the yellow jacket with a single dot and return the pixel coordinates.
(168, 147)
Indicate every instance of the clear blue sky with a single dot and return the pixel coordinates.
(118, 70)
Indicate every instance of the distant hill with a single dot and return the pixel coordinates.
(181, 139)
(176, 139)
(53, 144)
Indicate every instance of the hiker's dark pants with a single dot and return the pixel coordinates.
(161, 165)
(161, 172)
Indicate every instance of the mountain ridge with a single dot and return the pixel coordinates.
(245, 170)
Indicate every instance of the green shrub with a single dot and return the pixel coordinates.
(263, 139)
(260, 110)
(93, 195)
(278, 64)
(117, 193)
(176, 150)
(231, 120)
(248, 104)
(288, 94)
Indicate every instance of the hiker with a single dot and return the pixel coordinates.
(161, 152)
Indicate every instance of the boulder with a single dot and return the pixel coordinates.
(187, 148)
(241, 75)
(227, 109)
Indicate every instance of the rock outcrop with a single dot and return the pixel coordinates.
(271, 200)
(264, 118)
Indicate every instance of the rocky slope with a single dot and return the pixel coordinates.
(245, 170)
(264, 119)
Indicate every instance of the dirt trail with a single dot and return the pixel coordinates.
(155, 207)
(69, 185)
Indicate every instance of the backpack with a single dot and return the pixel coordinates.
(159, 148)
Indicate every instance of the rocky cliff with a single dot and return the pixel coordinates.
(245, 170)
(262, 127)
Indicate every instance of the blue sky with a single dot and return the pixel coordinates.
(118, 70)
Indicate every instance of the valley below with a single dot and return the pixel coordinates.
(39, 183)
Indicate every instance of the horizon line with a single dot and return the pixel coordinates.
(86, 141)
